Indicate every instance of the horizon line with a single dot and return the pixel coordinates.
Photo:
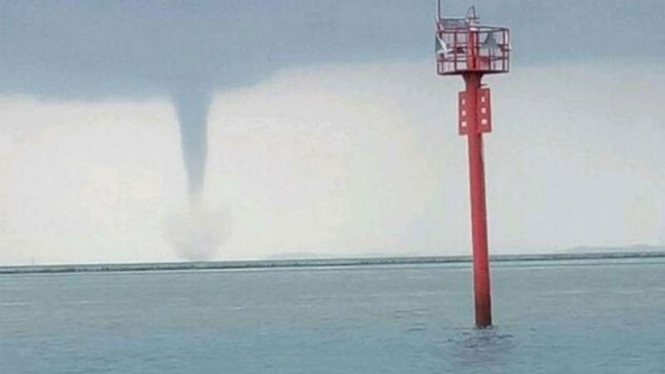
(318, 262)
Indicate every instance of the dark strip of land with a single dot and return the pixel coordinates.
(262, 264)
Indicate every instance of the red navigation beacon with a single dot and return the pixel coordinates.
(467, 48)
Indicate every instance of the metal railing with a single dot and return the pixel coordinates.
(464, 46)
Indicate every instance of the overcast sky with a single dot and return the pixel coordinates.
(329, 132)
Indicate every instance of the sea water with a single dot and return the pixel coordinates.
(551, 317)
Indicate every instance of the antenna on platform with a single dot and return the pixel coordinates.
(471, 15)
(465, 47)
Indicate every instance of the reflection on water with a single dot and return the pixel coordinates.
(470, 349)
(482, 346)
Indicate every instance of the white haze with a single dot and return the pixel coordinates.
(354, 160)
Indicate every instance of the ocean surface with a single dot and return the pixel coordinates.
(592, 316)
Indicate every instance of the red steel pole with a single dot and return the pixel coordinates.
(481, 273)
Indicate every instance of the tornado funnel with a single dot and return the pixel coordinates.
(191, 106)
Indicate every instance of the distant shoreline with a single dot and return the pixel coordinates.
(332, 262)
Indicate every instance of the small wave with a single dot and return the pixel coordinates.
(14, 303)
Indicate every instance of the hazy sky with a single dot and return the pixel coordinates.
(329, 132)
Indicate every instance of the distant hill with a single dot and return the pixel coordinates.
(637, 248)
